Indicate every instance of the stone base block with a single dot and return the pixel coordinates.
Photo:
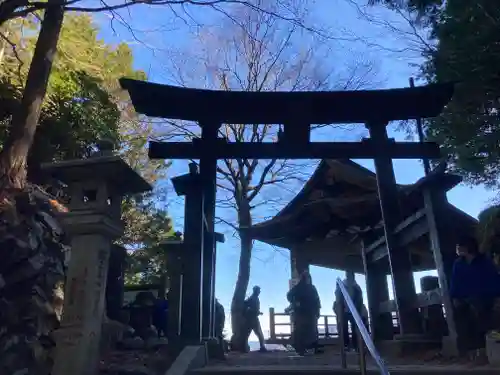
(112, 333)
(215, 348)
(177, 344)
(192, 357)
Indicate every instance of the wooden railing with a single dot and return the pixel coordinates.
(326, 323)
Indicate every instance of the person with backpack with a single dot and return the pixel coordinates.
(251, 315)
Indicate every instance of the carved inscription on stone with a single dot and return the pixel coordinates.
(73, 314)
(102, 258)
(70, 337)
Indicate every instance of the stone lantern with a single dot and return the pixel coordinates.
(97, 186)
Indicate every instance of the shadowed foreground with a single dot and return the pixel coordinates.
(330, 360)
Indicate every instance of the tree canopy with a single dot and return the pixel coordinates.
(83, 105)
(468, 52)
(78, 109)
(463, 48)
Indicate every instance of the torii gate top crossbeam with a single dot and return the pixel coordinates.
(321, 107)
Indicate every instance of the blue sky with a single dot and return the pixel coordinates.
(157, 32)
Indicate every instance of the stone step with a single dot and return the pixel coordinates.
(330, 370)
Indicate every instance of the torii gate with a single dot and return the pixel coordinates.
(296, 111)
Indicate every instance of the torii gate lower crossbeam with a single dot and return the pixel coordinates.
(297, 111)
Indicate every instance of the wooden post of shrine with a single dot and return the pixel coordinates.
(443, 248)
(188, 185)
(405, 295)
(377, 290)
(208, 173)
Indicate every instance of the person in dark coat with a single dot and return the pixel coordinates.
(160, 316)
(356, 294)
(474, 286)
(220, 320)
(305, 305)
(251, 316)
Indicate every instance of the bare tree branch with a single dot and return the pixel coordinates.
(13, 47)
(259, 51)
(11, 9)
(404, 26)
(228, 223)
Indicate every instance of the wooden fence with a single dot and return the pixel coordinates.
(327, 328)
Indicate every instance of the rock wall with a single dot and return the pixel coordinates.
(33, 255)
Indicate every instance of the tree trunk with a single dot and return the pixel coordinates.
(24, 122)
(238, 323)
(31, 247)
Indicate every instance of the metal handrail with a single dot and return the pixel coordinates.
(363, 335)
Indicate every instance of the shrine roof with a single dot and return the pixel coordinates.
(340, 199)
(318, 107)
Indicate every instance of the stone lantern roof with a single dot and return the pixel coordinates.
(110, 168)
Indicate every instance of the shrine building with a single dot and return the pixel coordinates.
(335, 221)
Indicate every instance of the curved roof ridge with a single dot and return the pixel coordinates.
(344, 168)
(316, 177)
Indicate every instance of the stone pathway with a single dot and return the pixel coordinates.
(135, 362)
(331, 360)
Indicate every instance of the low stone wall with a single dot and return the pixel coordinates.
(33, 254)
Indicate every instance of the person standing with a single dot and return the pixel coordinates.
(220, 320)
(474, 286)
(252, 313)
(356, 294)
(495, 255)
(306, 306)
(160, 316)
(365, 317)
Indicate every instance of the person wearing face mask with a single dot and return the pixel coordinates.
(474, 286)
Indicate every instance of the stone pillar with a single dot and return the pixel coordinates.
(115, 282)
(188, 185)
(441, 233)
(173, 250)
(405, 296)
(377, 290)
(96, 186)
